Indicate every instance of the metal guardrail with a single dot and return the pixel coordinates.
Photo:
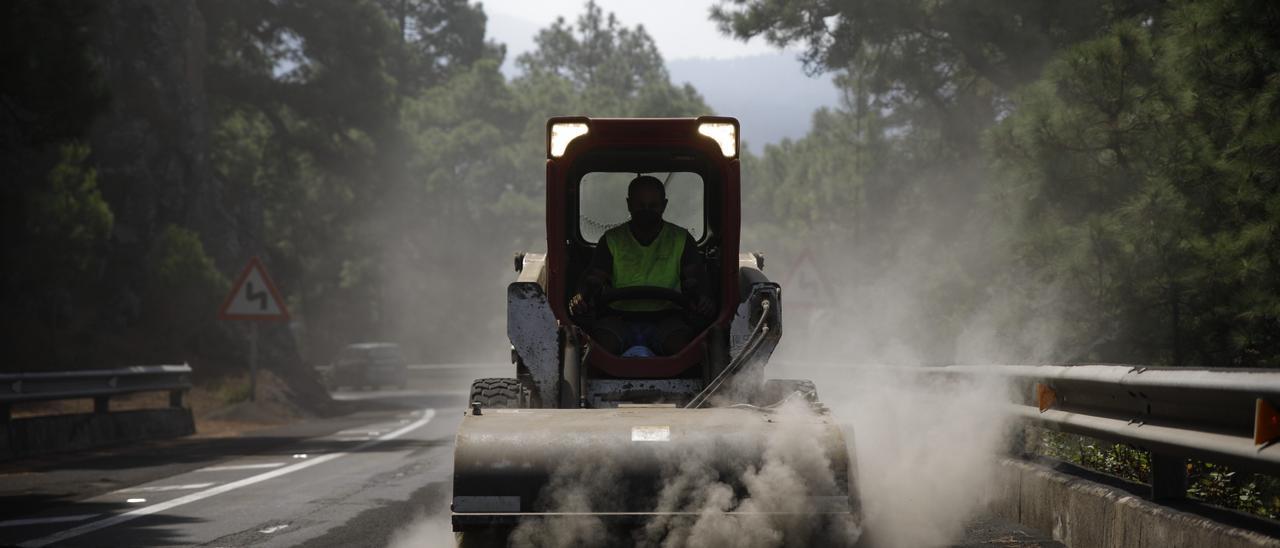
(99, 384)
(1227, 416)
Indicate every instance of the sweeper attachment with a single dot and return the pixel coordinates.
(585, 430)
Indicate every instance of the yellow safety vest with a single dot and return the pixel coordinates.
(653, 265)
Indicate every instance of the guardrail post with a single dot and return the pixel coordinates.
(175, 398)
(1168, 477)
(1018, 441)
(101, 404)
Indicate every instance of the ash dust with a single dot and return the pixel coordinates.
(926, 451)
(924, 456)
(430, 530)
(774, 505)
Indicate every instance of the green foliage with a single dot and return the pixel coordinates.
(393, 161)
(52, 92)
(56, 220)
(183, 292)
(1119, 460)
(1253, 493)
(314, 119)
(1111, 167)
(232, 390)
(178, 260)
(601, 67)
(60, 250)
(1159, 218)
(69, 215)
(944, 64)
(1213, 483)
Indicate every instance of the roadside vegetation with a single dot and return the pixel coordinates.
(370, 152)
(1256, 494)
(1107, 172)
(1096, 181)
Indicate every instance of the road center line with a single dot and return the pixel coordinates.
(242, 467)
(163, 488)
(60, 536)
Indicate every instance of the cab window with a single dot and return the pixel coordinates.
(603, 202)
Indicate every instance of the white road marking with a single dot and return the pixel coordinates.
(163, 488)
(242, 467)
(38, 521)
(272, 529)
(117, 519)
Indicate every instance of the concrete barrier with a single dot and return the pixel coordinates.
(1086, 514)
(24, 437)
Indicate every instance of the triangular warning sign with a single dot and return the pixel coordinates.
(253, 296)
(804, 285)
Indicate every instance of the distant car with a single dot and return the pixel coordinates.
(369, 364)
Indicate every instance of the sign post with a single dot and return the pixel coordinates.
(253, 361)
(253, 297)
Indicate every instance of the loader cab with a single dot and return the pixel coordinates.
(589, 164)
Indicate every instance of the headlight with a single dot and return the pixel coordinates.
(724, 134)
(562, 134)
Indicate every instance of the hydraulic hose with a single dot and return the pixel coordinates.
(748, 350)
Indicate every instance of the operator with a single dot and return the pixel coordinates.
(646, 251)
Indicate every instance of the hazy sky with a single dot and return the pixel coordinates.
(681, 28)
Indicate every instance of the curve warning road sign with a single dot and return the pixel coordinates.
(253, 296)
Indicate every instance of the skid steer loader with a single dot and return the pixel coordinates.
(573, 407)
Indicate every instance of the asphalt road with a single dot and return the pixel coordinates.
(377, 477)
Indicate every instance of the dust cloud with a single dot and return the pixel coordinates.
(721, 490)
(926, 447)
(761, 487)
(918, 291)
(925, 450)
(430, 530)
(924, 457)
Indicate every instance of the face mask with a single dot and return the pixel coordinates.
(646, 218)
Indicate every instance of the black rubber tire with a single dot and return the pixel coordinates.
(499, 393)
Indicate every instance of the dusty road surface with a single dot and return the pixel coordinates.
(377, 477)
